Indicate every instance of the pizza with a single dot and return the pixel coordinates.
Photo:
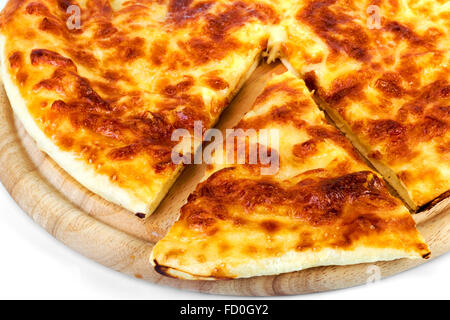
(103, 100)
(103, 86)
(324, 206)
(381, 71)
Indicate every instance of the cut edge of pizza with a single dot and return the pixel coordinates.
(79, 169)
(107, 110)
(323, 207)
(385, 170)
(386, 88)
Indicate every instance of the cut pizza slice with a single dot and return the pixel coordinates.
(102, 92)
(322, 206)
(382, 74)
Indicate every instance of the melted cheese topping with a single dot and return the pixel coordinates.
(323, 207)
(381, 69)
(108, 96)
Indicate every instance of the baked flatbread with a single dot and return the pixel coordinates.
(381, 71)
(323, 206)
(103, 100)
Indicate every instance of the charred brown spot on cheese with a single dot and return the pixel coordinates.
(186, 117)
(16, 60)
(250, 249)
(338, 29)
(236, 15)
(380, 130)
(218, 26)
(406, 33)
(43, 56)
(270, 226)
(276, 88)
(394, 135)
(304, 150)
(100, 8)
(131, 49)
(50, 26)
(348, 86)
(429, 128)
(105, 29)
(404, 176)
(198, 219)
(125, 153)
(224, 247)
(444, 148)
(22, 77)
(38, 8)
(65, 4)
(179, 88)
(158, 52)
(114, 76)
(201, 258)
(216, 83)
(390, 85)
(83, 57)
(182, 11)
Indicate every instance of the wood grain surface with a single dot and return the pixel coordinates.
(118, 239)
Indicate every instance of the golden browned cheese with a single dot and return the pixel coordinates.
(109, 94)
(324, 206)
(381, 70)
(104, 99)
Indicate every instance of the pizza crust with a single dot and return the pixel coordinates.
(84, 174)
(289, 262)
(323, 207)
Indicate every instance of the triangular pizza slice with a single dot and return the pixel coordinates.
(321, 206)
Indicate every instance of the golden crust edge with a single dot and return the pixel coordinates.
(290, 262)
(80, 171)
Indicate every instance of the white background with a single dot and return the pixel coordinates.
(33, 265)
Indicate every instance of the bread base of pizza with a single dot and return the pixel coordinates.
(323, 206)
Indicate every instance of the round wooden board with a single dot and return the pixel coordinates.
(118, 239)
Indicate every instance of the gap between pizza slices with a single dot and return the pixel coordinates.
(324, 206)
(104, 99)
